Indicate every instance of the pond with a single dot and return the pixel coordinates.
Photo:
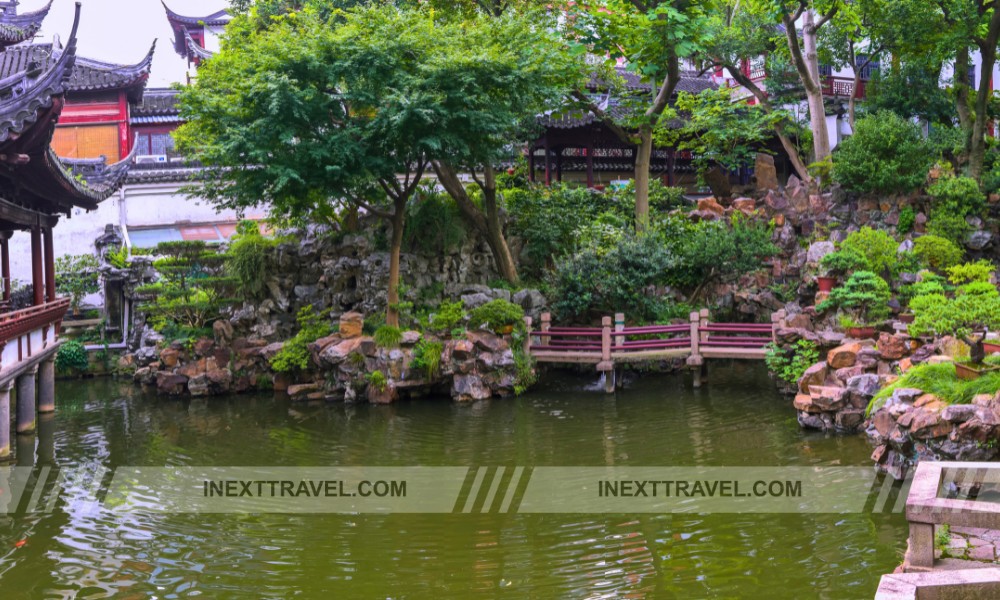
(658, 420)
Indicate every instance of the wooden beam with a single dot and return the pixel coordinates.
(25, 217)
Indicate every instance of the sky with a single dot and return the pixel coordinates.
(121, 31)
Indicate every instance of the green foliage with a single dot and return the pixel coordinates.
(960, 316)
(427, 357)
(77, 276)
(590, 284)
(936, 252)
(907, 218)
(711, 251)
(981, 270)
(388, 336)
(497, 315)
(118, 258)
(954, 199)
(878, 248)
(845, 261)
(190, 292)
(910, 90)
(448, 316)
(978, 288)
(864, 295)
(940, 380)
(72, 357)
(250, 258)
(434, 224)
(789, 364)
(887, 154)
(294, 354)
(716, 128)
(377, 380)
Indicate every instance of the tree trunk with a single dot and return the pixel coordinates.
(395, 248)
(486, 222)
(962, 104)
(643, 158)
(988, 53)
(851, 104)
(779, 129)
(807, 66)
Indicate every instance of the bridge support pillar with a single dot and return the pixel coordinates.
(26, 402)
(47, 439)
(47, 386)
(609, 382)
(5, 419)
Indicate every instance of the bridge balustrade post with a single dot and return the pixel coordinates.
(606, 339)
(776, 319)
(619, 327)
(5, 419)
(695, 361)
(920, 547)
(527, 337)
(546, 325)
(26, 401)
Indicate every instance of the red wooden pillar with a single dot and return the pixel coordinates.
(36, 266)
(590, 165)
(5, 263)
(671, 157)
(559, 165)
(50, 266)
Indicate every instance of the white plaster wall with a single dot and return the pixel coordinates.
(212, 34)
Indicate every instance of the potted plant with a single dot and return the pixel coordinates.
(863, 299)
(968, 317)
(839, 264)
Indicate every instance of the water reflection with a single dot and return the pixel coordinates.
(83, 549)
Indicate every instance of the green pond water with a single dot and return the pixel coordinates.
(658, 420)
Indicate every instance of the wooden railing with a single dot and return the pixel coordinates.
(842, 87)
(21, 322)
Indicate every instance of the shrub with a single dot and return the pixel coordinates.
(427, 357)
(77, 276)
(940, 380)
(294, 354)
(448, 316)
(388, 336)
(590, 284)
(877, 247)
(887, 154)
(954, 199)
(789, 364)
(961, 317)
(844, 262)
(190, 292)
(978, 288)
(377, 380)
(118, 258)
(249, 258)
(937, 252)
(865, 295)
(496, 315)
(907, 218)
(72, 357)
(981, 270)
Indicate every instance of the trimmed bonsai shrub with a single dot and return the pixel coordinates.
(963, 317)
(865, 296)
(878, 248)
(448, 316)
(981, 271)
(77, 276)
(388, 336)
(496, 315)
(937, 252)
(843, 262)
(887, 154)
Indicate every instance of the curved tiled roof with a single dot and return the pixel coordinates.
(16, 28)
(195, 48)
(157, 102)
(216, 19)
(87, 74)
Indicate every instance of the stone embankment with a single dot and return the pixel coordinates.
(343, 366)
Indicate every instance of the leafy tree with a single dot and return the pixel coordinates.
(653, 37)
(911, 90)
(717, 128)
(191, 290)
(77, 276)
(308, 114)
(887, 154)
